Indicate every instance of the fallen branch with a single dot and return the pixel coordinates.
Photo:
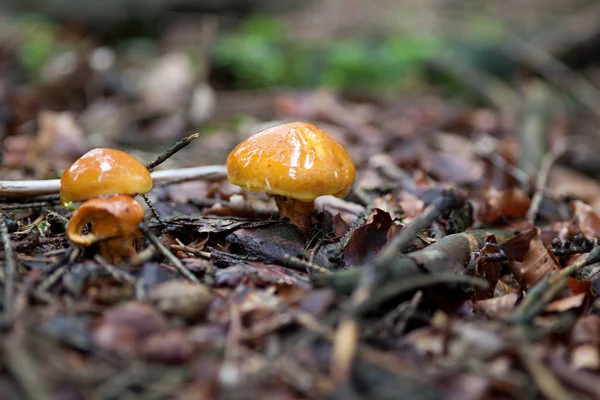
(19, 189)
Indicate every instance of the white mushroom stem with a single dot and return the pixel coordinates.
(15, 189)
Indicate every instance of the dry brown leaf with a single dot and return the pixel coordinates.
(579, 287)
(498, 205)
(498, 306)
(587, 220)
(367, 240)
(564, 181)
(537, 263)
(566, 303)
(585, 356)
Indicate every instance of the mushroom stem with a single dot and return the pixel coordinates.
(297, 211)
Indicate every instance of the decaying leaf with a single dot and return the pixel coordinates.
(566, 303)
(498, 205)
(537, 263)
(498, 306)
(587, 220)
(367, 240)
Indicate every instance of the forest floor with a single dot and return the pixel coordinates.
(462, 265)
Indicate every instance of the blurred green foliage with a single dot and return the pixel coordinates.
(38, 43)
(261, 54)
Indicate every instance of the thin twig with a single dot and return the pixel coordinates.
(24, 189)
(118, 274)
(153, 210)
(24, 370)
(543, 377)
(541, 180)
(20, 206)
(167, 253)
(298, 262)
(171, 150)
(10, 266)
(204, 254)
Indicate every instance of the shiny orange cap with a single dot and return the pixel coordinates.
(296, 160)
(111, 217)
(104, 172)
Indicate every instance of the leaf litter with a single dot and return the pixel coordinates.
(396, 292)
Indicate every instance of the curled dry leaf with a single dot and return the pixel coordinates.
(587, 220)
(579, 287)
(585, 356)
(537, 263)
(181, 299)
(566, 303)
(367, 240)
(497, 205)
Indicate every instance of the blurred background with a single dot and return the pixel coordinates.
(141, 74)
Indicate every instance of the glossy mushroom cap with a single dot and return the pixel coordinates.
(295, 160)
(111, 217)
(104, 172)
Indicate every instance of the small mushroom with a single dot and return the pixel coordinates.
(103, 172)
(114, 226)
(296, 163)
(108, 179)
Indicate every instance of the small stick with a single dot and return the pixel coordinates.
(541, 180)
(23, 368)
(190, 250)
(38, 204)
(542, 375)
(56, 271)
(167, 253)
(153, 210)
(22, 189)
(10, 268)
(171, 150)
(306, 264)
(118, 274)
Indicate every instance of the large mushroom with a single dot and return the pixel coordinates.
(295, 163)
(107, 180)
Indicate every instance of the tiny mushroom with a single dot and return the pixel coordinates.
(114, 225)
(103, 172)
(106, 180)
(296, 163)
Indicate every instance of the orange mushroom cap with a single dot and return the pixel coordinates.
(296, 160)
(104, 172)
(111, 217)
